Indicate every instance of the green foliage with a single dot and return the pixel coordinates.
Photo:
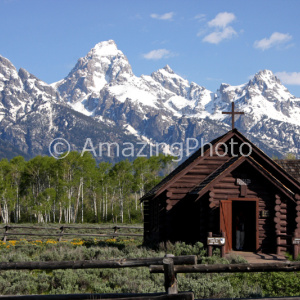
(134, 280)
(181, 248)
(78, 281)
(290, 156)
(74, 189)
(273, 284)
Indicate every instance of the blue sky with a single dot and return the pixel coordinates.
(208, 42)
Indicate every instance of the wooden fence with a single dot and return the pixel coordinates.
(168, 265)
(171, 289)
(61, 232)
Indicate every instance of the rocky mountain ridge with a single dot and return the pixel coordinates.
(102, 95)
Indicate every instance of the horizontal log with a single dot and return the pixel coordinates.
(226, 191)
(233, 268)
(169, 194)
(208, 169)
(284, 246)
(199, 172)
(228, 179)
(212, 194)
(216, 157)
(175, 190)
(193, 177)
(213, 204)
(277, 220)
(188, 184)
(280, 221)
(94, 264)
(189, 180)
(285, 236)
(100, 228)
(226, 185)
(219, 196)
(74, 234)
(177, 196)
(74, 227)
(120, 296)
(215, 162)
(261, 207)
(29, 227)
(172, 202)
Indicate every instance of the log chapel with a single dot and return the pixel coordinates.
(223, 180)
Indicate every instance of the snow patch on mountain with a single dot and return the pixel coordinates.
(161, 107)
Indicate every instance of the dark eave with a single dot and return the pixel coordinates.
(231, 165)
(270, 161)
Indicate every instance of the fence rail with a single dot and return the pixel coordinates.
(96, 264)
(170, 282)
(61, 231)
(154, 296)
(169, 265)
(232, 268)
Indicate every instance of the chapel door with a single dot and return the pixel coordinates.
(226, 222)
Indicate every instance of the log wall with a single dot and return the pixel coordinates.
(269, 200)
(177, 215)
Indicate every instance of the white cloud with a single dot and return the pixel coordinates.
(222, 20)
(200, 17)
(218, 36)
(221, 29)
(292, 78)
(276, 39)
(166, 16)
(158, 54)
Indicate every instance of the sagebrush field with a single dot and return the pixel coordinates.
(129, 280)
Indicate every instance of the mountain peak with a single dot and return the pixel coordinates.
(106, 48)
(168, 69)
(265, 79)
(6, 62)
(266, 76)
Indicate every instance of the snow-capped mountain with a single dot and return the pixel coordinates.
(33, 114)
(101, 96)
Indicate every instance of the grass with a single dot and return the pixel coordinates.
(129, 280)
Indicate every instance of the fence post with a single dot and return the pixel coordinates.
(61, 233)
(115, 230)
(5, 236)
(209, 247)
(170, 276)
(295, 247)
(223, 246)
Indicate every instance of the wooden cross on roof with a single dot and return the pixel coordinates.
(232, 113)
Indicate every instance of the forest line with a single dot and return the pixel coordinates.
(76, 189)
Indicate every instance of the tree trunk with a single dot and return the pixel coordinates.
(82, 201)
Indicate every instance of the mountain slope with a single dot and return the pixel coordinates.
(33, 114)
(164, 107)
(103, 100)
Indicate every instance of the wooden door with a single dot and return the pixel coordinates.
(226, 222)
